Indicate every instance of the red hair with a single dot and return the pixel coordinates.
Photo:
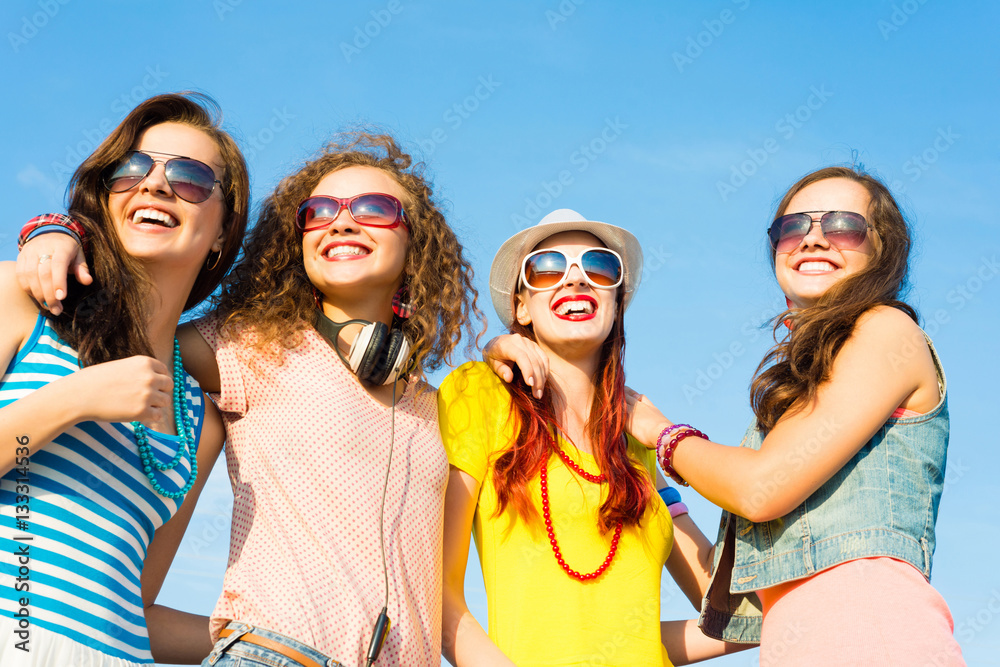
(629, 487)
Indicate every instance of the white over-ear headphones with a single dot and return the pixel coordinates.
(379, 355)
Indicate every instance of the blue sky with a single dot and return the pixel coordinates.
(683, 122)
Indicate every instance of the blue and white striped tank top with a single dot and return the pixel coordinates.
(91, 514)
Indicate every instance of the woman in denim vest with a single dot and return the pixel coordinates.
(824, 552)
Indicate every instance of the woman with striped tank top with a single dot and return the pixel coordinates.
(102, 433)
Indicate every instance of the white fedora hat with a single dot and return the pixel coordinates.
(506, 268)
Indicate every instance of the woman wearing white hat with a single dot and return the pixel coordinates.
(570, 531)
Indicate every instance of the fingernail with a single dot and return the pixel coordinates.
(530, 381)
(60, 295)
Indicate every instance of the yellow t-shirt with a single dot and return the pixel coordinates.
(538, 614)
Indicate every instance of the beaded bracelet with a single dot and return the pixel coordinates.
(51, 222)
(667, 431)
(666, 459)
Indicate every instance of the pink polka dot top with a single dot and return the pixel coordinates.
(307, 449)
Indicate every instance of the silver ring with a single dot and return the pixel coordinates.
(44, 258)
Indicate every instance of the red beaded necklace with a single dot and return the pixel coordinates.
(597, 479)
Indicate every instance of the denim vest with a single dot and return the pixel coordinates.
(883, 502)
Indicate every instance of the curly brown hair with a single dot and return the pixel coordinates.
(792, 371)
(269, 292)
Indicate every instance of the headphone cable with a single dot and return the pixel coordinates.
(383, 623)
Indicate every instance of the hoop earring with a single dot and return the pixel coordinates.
(218, 258)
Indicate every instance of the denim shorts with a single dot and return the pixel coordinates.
(232, 652)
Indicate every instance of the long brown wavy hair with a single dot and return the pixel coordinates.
(269, 292)
(629, 488)
(792, 371)
(106, 320)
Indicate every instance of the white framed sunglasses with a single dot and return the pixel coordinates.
(547, 269)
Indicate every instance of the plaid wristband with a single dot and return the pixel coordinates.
(51, 222)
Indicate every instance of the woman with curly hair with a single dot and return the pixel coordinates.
(831, 499)
(351, 286)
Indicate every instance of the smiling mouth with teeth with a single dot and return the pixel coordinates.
(573, 308)
(345, 250)
(151, 216)
(822, 266)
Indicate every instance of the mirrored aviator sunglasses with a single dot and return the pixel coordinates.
(845, 230)
(371, 209)
(190, 179)
(546, 269)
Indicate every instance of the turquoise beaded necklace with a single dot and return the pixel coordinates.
(182, 421)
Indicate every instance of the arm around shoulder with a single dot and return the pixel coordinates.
(885, 364)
